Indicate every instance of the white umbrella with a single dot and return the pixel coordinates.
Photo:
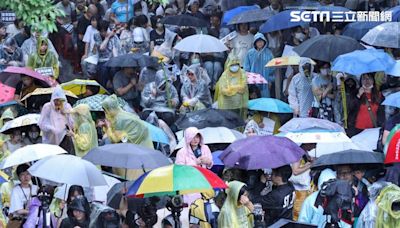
(316, 137)
(201, 44)
(310, 124)
(367, 139)
(213, 135)
(22, 121)
(329, 148)
(31, 153)
(68, 169)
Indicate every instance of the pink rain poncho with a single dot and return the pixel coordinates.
(52, 122)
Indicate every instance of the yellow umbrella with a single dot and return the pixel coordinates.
(287, 61)
(78, 86)
(47, 91)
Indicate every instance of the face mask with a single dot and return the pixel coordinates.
(33, 135)
(234, 68)
(299, 36)
(195, 61)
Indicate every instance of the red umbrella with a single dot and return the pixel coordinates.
(392, 147)
(13, 80)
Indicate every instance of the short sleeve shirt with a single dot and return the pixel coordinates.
(121, 9)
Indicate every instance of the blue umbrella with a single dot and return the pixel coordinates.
(395, 13)
(157, 134)
(269, 105)
(333, 9)
(392, 100)
(229, 15)
(357, 30)
(216, 159)
(364, 61)
(280, 21)
(394, 70)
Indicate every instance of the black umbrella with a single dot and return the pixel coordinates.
(348, 157)
(327, 47)
(184, 20)
(209, 118)
(132, 60)
(251, 16)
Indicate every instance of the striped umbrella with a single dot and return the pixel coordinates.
(392, 148)
(175, 180)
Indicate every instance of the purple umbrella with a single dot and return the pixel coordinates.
(261, 152)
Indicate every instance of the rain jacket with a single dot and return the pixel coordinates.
(159, 103)
(29, 47)
(309, 213)
(7, 114)
(252, 126)
(196, 92)
(79, 204)
(255, 62)
(387, 217)
(96, 217)
(233, 215)
(53, 123)
(231, 89)
(85, 137)
(204, 212)
(47, 60)
(300, 93)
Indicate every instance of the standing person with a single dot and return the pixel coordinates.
(55, 121)
(237, 209)
(44, 58)
(231, 91)
(78, 214)
(242, 43)
(122, 11)
(255, 62)
(91, 48)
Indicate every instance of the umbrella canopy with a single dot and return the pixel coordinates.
(251, 153)
(315, 136)
(230, 14)
(126, 60)
(175, 180)
(47, 91)
(128, 156)
(213, 135)
(157, 134)
(384, 35)
(288, 61)
(392, 149)
(184, 20)
(68, 169)
(94, 102)
(367, 139)
(348, 157)
(251, 16)
(357, 30)
(11, 76)
(209, 118)
(365, 61)
(394, 70)
(327, 47)
(280, 21)
(392, 100)
(78, 86)
(21, 110)
(216, 159)
(298, 124)
(395, 13)
(22, 121)
(254, 78)
(201, 44)
(269, 105)
(30, 153)
(329, 148)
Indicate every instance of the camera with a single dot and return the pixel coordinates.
(45, 199)
(258, 213)
(175, 203)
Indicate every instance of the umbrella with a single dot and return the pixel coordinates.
(269, 105)
(11, 76)
(254, 78)
(357, 30)
(280, 21)
(230, 14)
(315, 136)
(47, 91)
(251, 16)
(21, 110)
(394, 70)
(361, 62)
(78, 86)
(348, 157)
(68, 169)
(333, 10)
(22, 121)
(209, 118)
(213, 135)
(302, 5)
(298, 124)
(384, 35)
(392, 100)
(184, 20)
(94, 102)
(367, 139)
(175, 180)
(392, 149)
(216, 159)
(327, 47)
(126, 60)
(288, 61)
(157, 134)
(127, 155)
(201, 44)
(3, 177)
(329, 148)
(395, 13)
(30, 153)
(261, 152)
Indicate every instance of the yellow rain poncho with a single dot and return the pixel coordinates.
(85, 137)
(198, 209)
(234, 215)
(231, 90)
(7, 114)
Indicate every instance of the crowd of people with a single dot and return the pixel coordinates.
(173, 84)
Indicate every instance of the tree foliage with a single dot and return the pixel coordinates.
(39, 13)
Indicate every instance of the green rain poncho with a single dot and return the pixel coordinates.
(85, 137)
(232, 214)
(47, 60)
(7, 114)
(387, 217)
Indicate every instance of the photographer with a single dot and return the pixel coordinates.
(40, 205)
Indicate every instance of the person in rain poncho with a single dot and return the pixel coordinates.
(84, 132)
(315, 215)
(103, 216)
(237, 209)
(5, 117)
(252, 129)
(43, 57)
(255, 62)
(300, 92)
(55, 121)
(30, 46)
(203, 212)
(194, 92)
(388, 207)
(10, 54)
(78, 214)
(231, 91)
